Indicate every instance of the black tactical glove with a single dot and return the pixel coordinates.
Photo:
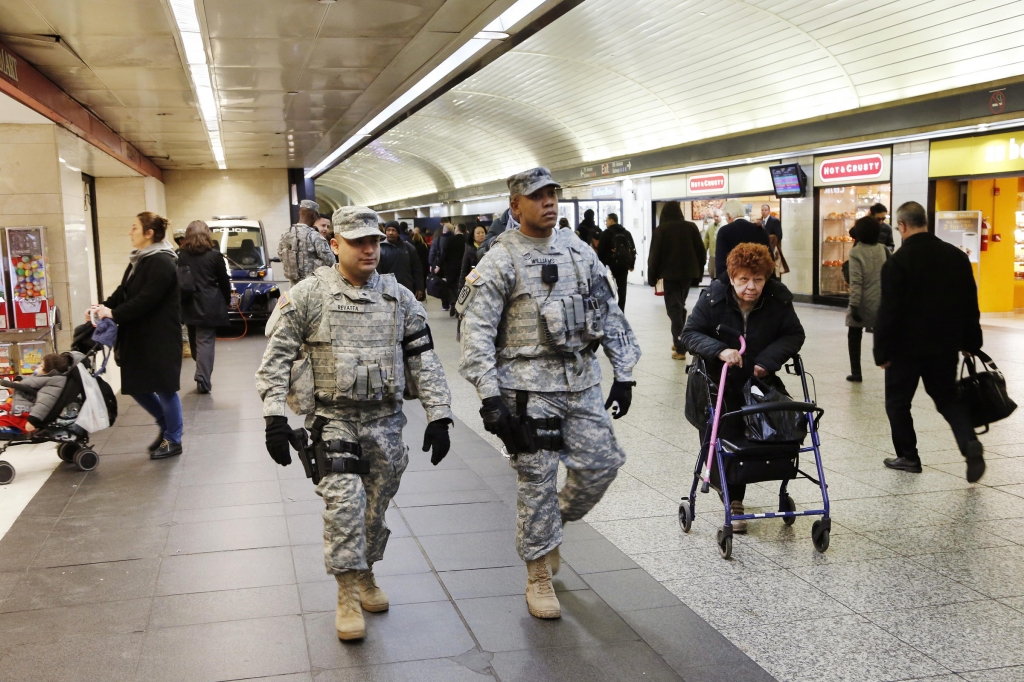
(278, 444)
(855, 313)
(436, 438)
(621, 396)
(499, 421)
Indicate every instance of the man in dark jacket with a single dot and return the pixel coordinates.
(773, 226)
(929, 314)
(400, 259)
(738, 231)
(617, 251)
(677, 256)
(588, 230)
(878, 212)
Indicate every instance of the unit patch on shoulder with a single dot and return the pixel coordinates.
(284, 301)
(472, 277)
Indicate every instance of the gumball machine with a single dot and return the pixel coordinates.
(27, 266)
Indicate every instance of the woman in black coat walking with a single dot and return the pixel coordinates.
(147, 310)
(762, 310)
(204, 299)
(450, 263)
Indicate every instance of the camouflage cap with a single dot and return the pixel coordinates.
(310, 204)
(356, 222)
(528, 182)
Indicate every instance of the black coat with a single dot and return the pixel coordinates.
(147, 310)
(423, 253)
(773, 225)
(402, 260)
(929, 302)
(450, 262)
(677, 253)
(606, 244)
(208, 306)
(732, 235)
(773, 330)
(469, 260)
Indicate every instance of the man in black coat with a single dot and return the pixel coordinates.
(929, 314)
(738, 231)
(878, 212)
(677, 257)
(400, 259)
(617, 250)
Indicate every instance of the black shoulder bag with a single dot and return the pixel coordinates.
(984, 393)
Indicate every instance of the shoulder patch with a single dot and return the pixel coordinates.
(284, 301)
(472, 277)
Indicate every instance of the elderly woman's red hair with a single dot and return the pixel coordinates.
(753, 258)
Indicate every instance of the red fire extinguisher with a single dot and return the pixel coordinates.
(984, 234)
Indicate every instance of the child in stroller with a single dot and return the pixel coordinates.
(84, 403)
(35, 396)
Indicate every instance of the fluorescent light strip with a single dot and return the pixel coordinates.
(509, 18)
(195, 55)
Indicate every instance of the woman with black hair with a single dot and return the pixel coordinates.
(147, 310)
(866, 260)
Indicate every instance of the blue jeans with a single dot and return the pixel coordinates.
(166, 409)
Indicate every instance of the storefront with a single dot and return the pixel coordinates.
(702, 195)
(846, 186)
(603, 200)
(978, 188)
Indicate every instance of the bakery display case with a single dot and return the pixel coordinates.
(839, 208)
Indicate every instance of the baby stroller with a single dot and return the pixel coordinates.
(61, 424)
(742, 460)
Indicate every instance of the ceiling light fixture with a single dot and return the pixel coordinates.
(195, 54)
(509, 18)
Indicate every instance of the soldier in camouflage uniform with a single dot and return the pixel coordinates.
(535, 309)
(302, 248)
(346, 343)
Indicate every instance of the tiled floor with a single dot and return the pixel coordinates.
(924, 578)
(210, 567)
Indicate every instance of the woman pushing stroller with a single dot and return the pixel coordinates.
(762, 309)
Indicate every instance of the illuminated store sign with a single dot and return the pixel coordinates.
(708, 183)
(864, 167)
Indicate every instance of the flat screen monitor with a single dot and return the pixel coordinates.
(789, 180)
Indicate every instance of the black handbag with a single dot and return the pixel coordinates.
(435, 286)
(771, 426)
(984, 393)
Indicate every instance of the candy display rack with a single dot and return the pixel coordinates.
(27, 265)
(30, 355)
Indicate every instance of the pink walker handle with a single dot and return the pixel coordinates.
(718, 413)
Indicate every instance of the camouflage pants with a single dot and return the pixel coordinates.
(591, 456)
(355, 532)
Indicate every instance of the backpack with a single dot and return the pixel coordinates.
(288, 252)
(186, 280)
(623, 253)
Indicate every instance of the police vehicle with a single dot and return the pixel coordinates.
(243, 243)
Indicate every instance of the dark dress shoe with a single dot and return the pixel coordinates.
(855, 378)
(975, 461)
(155, 445)
(202, 390)
(904, 464)
(166, 449)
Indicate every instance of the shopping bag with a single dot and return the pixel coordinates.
(93, 415)
(771, 426)
(659, 288)
(984, 393)
(697, 408)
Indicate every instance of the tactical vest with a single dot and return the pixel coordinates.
(354, 351)
(558, 318)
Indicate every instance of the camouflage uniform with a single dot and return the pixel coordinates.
(303, 249)
(506, 350)
(335, 329)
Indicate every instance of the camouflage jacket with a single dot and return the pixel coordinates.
(489, 365)
(302, 250)
(299, 326)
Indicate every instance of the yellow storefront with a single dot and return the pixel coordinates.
(986, 173)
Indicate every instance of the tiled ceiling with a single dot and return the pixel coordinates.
(613, 78)
(344, 60)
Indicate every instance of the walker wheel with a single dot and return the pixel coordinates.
(66, 451)
(685, 516)
(86, 459)
(724, 544)
(819, 536)
(6, 472)
(786, 504)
